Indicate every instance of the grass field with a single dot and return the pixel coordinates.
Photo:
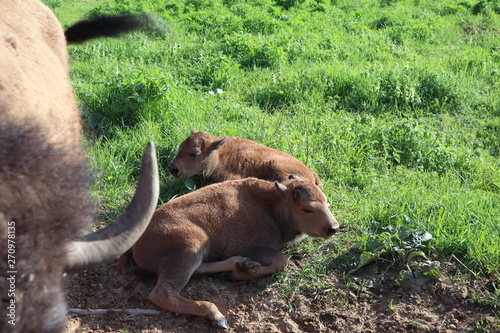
(395, 104)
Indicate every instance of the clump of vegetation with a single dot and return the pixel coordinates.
(398, 248)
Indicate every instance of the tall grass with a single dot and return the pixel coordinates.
(394, 103)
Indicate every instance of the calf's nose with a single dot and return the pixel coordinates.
(330, 231)
(173, 170)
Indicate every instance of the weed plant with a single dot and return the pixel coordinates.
(394, 103)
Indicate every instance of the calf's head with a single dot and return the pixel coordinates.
(308, 208)
(193, 153)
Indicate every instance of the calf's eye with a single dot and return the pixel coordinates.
(307, 211)
(194, 155)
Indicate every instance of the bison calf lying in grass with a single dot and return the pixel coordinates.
(228, 158)
(236, 227)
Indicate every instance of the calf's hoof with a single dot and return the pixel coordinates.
(248, 266)
(220, 323)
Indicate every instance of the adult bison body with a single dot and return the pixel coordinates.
(235, 226)
(45, 209)
(230, 158)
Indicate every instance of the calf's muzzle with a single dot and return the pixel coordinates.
(330, 231)
(173, 170)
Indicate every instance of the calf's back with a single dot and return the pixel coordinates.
(229, 158)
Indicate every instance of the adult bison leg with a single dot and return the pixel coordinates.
(166, 295)
(108, 243)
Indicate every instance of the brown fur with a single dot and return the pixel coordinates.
(44, 195)
(228, 158)
(43, 182)
(234, 226)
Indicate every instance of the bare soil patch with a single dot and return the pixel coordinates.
(442, 305)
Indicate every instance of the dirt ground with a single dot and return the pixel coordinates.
(443, 305)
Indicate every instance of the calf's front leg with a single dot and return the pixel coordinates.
(272, 261)
(232, 264)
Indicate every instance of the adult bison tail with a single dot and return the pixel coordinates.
(108, 243)
(106, 26)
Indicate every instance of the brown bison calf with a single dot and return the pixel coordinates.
(228, 158)
(235, 226)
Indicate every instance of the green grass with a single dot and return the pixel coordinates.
(69, 12)
(394, 103)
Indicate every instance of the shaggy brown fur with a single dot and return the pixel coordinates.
(43, 194)
(228, 158)
(42, 171)
(34, 72)
(44, 199)
(234, 226)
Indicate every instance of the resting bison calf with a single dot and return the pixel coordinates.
(45, 207)
(228, 158)
(235, 226)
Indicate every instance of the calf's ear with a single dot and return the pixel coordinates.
(296, 196)
(217, 144)
(281, 188)
(193, 131)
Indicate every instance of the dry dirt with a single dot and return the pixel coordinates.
(443, 305)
